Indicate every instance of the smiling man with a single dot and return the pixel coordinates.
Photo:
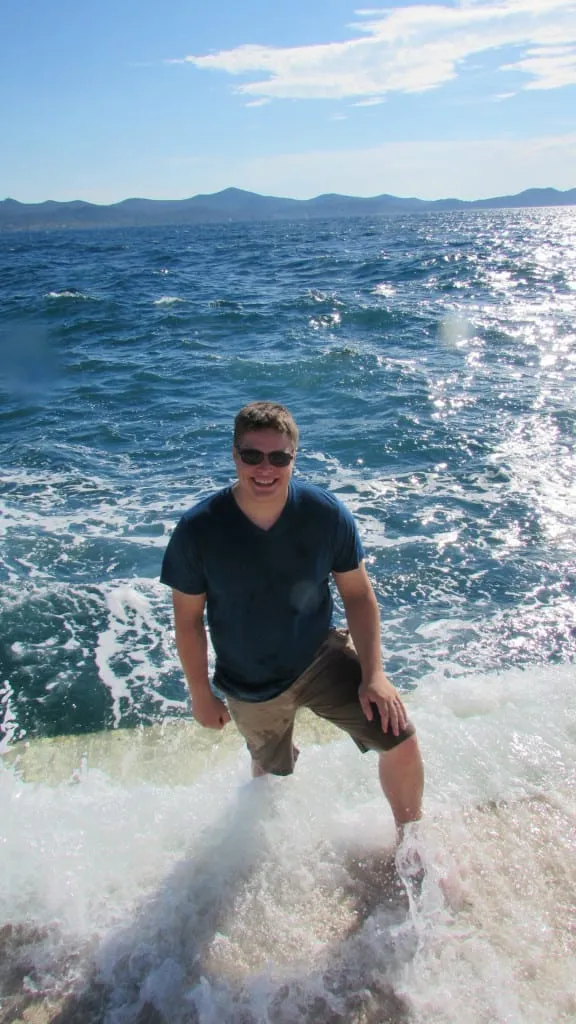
(257, 558)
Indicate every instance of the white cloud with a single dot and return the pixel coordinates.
(412, 49)
(550, 67)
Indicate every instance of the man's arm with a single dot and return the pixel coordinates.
(192, 645)
(363, 617)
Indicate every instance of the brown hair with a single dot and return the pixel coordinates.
(265, 416)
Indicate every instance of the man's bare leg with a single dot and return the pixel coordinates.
(402, 779)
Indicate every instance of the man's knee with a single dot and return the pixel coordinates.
(404, 752)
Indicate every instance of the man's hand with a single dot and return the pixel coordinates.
(378, 690)
(209, 711)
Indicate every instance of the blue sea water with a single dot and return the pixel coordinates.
(430, 362)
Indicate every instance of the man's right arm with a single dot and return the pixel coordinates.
(192, 645)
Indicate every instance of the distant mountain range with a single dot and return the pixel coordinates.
(234, 204)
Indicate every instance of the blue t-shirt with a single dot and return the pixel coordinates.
(269, 605)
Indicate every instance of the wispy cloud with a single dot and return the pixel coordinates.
(411, 50)
(372, 101)
(551, 67)
(467, 169)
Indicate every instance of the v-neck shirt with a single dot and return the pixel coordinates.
(268, 601)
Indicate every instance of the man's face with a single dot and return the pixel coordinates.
(264, 481)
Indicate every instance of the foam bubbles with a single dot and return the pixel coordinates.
(67, 293)
(156, 875)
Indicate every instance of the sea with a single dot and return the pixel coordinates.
(430, 362)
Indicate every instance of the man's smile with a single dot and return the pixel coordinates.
(265, 483)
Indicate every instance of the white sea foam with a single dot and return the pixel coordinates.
(327, 321)
(155, 872)
(167, 300)
(384, 290)
(85, 506)
(8, 715)
(71, 293)
(123, 651)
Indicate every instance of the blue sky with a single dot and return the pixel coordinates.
(168, 99)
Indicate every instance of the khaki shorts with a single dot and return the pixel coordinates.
(329, 688)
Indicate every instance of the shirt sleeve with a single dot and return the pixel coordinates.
(182, 565)
(348, 550)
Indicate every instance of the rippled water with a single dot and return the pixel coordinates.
(430, 362)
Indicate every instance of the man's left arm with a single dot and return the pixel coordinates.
(363, 617)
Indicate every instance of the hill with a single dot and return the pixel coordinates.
(235, 204)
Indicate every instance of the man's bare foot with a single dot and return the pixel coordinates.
(416, 860)
(409, 860)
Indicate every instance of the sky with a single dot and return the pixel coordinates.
(167, 99)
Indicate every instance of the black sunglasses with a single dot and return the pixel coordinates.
(254, 457)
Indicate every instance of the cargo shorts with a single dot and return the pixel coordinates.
(329, 688)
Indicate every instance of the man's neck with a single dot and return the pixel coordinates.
(262, 514)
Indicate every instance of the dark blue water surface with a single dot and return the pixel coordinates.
(430, 362)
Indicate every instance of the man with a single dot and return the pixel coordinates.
(257, 557)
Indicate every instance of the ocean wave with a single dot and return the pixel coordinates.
(68, 293)
(142, 869)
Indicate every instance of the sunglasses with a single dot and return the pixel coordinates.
(254, 457)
